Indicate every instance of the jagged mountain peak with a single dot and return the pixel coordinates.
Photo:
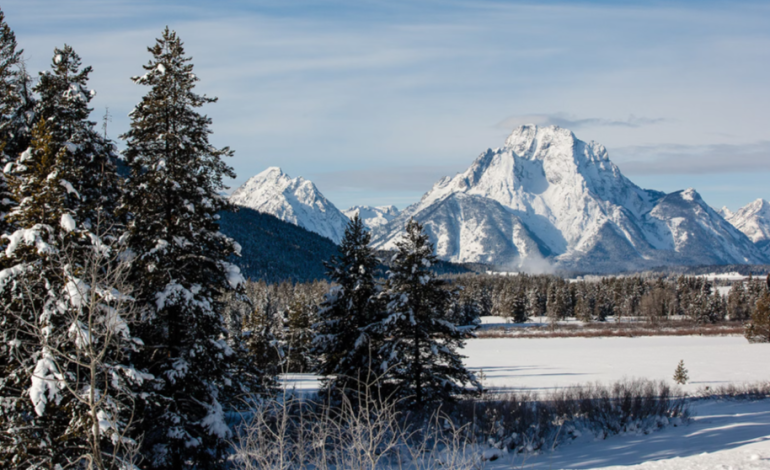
(547, 193)
(373, 217)
(294, 200)
(753, 220)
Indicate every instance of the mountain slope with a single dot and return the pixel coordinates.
(274, 250)
(547, 194)
(373, 216)
(754, 221)
(296, 200)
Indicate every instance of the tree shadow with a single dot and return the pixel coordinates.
(719, 425)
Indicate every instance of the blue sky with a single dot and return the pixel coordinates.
(376, 100)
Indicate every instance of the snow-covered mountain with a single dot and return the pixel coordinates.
(373, 216)
(754, 221)
(725, 212)
(546, 194)
(293, 200)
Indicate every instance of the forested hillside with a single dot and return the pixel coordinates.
(274, 250)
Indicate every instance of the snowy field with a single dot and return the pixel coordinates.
(548, 363)
(722, 434)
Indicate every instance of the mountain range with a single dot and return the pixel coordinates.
(544, 199)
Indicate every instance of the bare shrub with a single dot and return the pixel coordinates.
(291, 433)
(524, 422)
(753, 391)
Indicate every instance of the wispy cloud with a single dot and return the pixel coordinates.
(321, 87)
(693, 159)
(573, 122)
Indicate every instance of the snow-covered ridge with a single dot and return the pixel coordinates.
(373, 216)
(297, 201)
(548, 195)
(752, 219)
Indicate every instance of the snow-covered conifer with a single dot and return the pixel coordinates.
(298, 320)
(261, 328)
(737, 303)
(344, 343)
(420, 358)
(88, 169)
(758, 327)
(180, 268)
(15, 113)
(66, 191)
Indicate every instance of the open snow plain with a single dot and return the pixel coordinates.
(548, 363)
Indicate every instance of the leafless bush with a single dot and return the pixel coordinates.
(291, 433)
(525, 422)
(753, 391)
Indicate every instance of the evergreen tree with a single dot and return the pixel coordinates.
(535, 303)
(263, 346)
(85, 160)
(65, 189)
(707, 307)
(680, 374)
(298, 335)
(737, 303)
(344, 343)
(16, 117)
(758, 328)
(519, 307)
(419, 351)
(180, 266)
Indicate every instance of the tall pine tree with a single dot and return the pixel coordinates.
(16, 116)
(344, 341)
(420, 359)
(180, 268)
(66, 190)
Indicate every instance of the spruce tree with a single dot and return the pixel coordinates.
(87, 161)
(680, 374)
(180, 266)
(344, 342)
(420, 359)
(758, 327)
(16, 116)
(66, 190)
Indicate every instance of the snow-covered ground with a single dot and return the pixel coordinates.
(543, 364)
(730, 434)
(549, 363)
(722, 435)
(724, 276)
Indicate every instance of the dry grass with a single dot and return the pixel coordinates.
(754, 391)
